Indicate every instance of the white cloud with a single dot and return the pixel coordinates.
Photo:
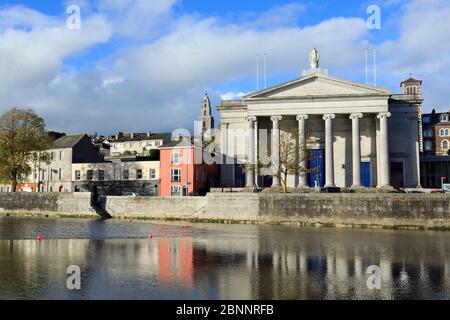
(155, 79)
(232, 95)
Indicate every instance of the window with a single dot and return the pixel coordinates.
(60, 174)
(126, 174)
(444, 118)
(61, 155)
(428, 146)
(77, 175)
(175, 191)
(445, 145)
(428, 133)
(90, 175)
(152, 174)
(175, 175)
(101, 175)
(426, 119)
(138, 174)
(444, 132)
(176, 158)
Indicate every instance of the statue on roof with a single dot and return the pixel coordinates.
(314, 58)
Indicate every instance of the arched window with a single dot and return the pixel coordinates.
(445, 145)
(446, 132)
(442, 133)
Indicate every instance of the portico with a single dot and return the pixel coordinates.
(329, 138)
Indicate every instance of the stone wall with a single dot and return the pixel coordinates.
(154, 207)
(390, 210)
(368, 210)
(51, 204)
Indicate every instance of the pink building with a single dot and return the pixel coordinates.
(183, 172)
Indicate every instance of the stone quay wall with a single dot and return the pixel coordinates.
(47, 204)
(417, 211)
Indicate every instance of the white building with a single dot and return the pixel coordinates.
(357, 134)
(137, 143)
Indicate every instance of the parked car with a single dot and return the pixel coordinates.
(437, 191)
(130, 194)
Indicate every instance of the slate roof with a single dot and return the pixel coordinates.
(142, 137)
(67, 142)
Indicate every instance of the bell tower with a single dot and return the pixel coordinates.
(412, 86)
(206, 121)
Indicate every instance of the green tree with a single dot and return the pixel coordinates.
(22, 138)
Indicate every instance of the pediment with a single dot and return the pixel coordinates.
(317, 85)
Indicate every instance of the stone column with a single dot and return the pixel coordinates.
(302, 182)
(356, 149)
(224, 147)
(276, 149)
(329, 151)
(251, 153)
(256, 152)
(383, 151)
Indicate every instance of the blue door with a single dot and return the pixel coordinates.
(317, 168)
(366, 174)
(239, 176)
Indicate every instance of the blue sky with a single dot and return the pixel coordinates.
(145, 64)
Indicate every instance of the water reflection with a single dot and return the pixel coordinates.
(232, 263)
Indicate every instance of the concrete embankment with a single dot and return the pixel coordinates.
(417, 211)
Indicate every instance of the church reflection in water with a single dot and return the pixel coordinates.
(257, 263)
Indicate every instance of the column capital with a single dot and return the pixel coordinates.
(302, 117)
(382, 115)
(356, 116)
(252, 119)
(329, 116)
(276, 118)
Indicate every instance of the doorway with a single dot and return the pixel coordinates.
(317, 168)
(397, 174)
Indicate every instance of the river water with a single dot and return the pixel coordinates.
(118, 260)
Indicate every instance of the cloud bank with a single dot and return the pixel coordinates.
(142, 65)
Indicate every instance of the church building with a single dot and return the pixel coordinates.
(357, 135)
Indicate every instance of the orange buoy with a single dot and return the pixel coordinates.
(39, 238)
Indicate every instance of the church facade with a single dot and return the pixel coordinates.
(356, 135)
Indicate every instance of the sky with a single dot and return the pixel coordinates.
(144, 65)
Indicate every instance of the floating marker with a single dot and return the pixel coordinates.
(39, 238)
(150, 237)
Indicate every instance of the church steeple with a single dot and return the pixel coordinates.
(206, 121)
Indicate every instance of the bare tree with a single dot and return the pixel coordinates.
(292, 160)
